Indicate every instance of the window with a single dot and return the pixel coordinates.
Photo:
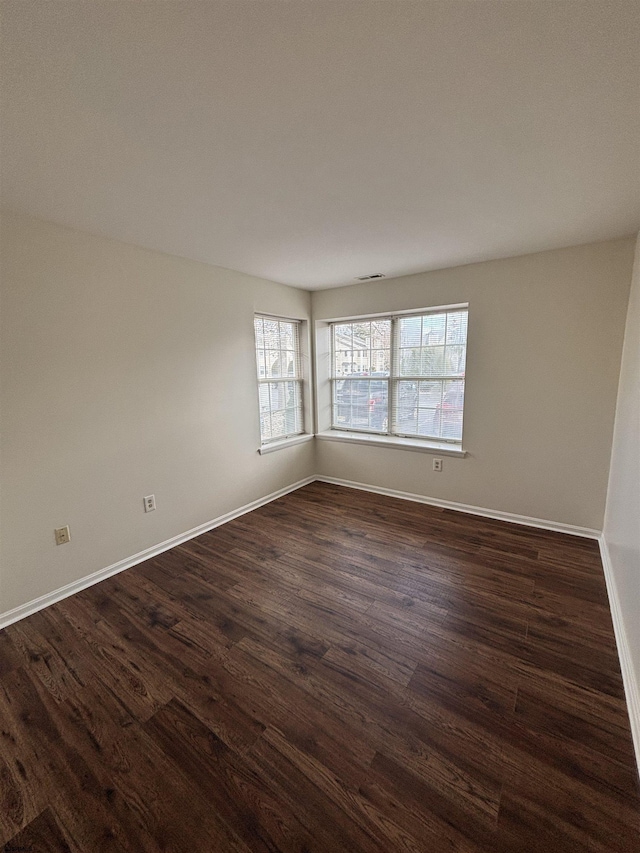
(279, 378)
(400, 375)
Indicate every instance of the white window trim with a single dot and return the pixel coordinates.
(324, 376)
(281, 443)
(420, 445)
(308, 411)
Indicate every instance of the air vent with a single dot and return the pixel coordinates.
(369, 277)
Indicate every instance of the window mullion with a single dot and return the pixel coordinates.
(391, 394)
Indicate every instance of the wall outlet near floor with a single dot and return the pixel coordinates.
(437, 464)
(62, 534)
(149, 503)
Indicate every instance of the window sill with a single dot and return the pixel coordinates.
(438, 447)
(285, 442)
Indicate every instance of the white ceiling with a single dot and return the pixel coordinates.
(312, 142)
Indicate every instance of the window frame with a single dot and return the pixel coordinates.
(299, 379)
(394, 378)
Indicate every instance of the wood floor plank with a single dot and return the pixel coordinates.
(218, 772)
(334, 671)
(42, 834)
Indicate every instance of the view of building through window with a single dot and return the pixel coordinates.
(401, 375)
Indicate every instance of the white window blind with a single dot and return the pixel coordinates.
(279, 378)
(401, 375)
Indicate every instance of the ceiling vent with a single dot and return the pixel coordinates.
(369, 277)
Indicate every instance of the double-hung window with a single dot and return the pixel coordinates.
(279, 378)
(401, 375)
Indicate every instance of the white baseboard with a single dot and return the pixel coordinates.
(559, 527)
(43, 601)
(629, 677)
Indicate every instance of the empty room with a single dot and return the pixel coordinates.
(320, 426)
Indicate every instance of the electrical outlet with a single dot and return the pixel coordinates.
(62, 535)
(437, 464)
(149, 503)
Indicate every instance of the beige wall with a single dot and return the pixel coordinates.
(115, 363)
(622, 517)
(545, 339)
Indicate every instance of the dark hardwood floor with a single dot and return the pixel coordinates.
(336, 671)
